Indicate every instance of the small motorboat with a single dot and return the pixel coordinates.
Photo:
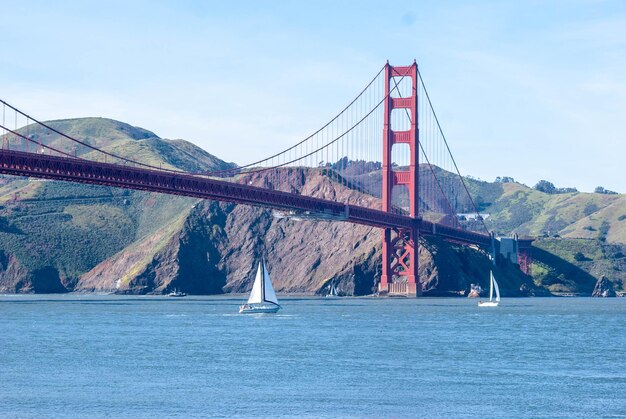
(176, 293)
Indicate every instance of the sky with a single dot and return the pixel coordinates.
(527, 89)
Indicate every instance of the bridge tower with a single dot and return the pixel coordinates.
(400, 246)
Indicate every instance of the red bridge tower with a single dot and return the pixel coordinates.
(400, 246)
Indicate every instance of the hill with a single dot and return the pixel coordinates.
(516, 208)
(53, 232)
(120, 139)
(581, 236)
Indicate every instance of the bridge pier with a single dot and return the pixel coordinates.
(404, 289)
(400, 263)
(517, 251)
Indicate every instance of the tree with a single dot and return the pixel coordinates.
(545, 186)
(600, 189)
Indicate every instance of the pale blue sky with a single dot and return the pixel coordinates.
(528, 89)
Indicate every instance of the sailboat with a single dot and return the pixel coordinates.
(492, 285)
(262, 297)
(332, 292)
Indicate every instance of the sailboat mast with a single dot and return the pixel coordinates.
(263, 279)
(490, 286)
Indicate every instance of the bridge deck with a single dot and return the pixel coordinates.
(84, 171)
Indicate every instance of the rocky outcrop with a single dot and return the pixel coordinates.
(603, 288)
(526, 290)
(475, 291)
(15, 278)
(133, 270)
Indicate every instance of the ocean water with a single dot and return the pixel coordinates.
(117, 356)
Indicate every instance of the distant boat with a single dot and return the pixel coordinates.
(176, 293)
(333, 291)
(262, 297)
(492, 285)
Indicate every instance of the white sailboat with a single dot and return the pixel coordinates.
(492, 285)
(262, 297)
(333, 291)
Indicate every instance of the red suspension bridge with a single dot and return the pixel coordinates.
(386, 147)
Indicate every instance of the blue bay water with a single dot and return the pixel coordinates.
(117, 356)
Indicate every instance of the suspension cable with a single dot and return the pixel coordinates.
(330, 143)
(43, 146)
(425, 156)
(131, 161)
(449, 152)
(115, 156)
(419, 75)
(307, 138)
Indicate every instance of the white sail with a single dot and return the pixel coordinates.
(256, 295)
(495, 285)
(269, 294)
(492, 284)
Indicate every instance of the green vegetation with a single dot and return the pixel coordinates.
(574, 265)
(73, 227)
(65, 229)
(516, 208)
(148, 249)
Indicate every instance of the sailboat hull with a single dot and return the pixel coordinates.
(254, 309)
(487, 304)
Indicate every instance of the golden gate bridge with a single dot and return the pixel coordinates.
(386, 145)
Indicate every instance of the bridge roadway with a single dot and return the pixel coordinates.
(78, 170)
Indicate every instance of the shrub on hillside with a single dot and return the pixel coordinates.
(549, 188)
(580, 257)
(505, 179)
(604, 230)
(600, 189)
